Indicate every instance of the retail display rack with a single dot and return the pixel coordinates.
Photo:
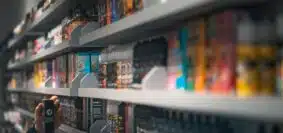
(144, 23)
(51, 16)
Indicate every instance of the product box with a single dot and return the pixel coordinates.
(94, 65)
(101, 12)
(62, 71)
(112, 74)
(176, 78)
(36, 78)
(108, 11)
(55, 73)
(114, 10)
(71, 67)
(117, 113)
(222, 54)
(83, 62)
(138, 5)
(56, 35)
(102, 75)
(197, 45)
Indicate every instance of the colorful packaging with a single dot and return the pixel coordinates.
(108, 12)
(267, 69)
(221, 38)
(138, 5)
(186, 61)
(56, 35)
(63, 71)
(200, 56)
(55, 73)
(83, 62)
(78, 18)
(247, 82)
(279, 73)
(101, 12)
(36, 75)
(247, 70)
(114, 10)
(112, 74)
(71, 66)
(176, 78)
(267, 53)
(128, 7)
(118, 116)
(94, 57)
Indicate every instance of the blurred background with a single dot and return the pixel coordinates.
(143, 66)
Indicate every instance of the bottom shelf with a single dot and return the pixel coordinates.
(62, 129)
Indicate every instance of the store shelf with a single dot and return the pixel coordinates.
(267, 108)
(24, 112)
(50, 52)
(50, 18)
(152, 20)
(47, 91)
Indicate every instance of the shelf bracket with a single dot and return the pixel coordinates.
(155, 79)
(75, 85)
(89, 81)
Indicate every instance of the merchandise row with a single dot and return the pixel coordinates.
(85, 114)
(61, 71)
(100, 13)
(34, 15)
(229, 52)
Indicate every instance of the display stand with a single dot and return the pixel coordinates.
(75, 35)
(48, 82)
(156, 79)
(89, 81)
(89, 27)
(76, 84)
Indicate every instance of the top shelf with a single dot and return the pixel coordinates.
(154, 20)
(51, 17)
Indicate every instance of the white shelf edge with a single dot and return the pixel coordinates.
(48, 91)
(270, 108)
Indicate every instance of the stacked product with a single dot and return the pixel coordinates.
(116, 67)
(61, 71)
(110, 11)
(229, 52)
